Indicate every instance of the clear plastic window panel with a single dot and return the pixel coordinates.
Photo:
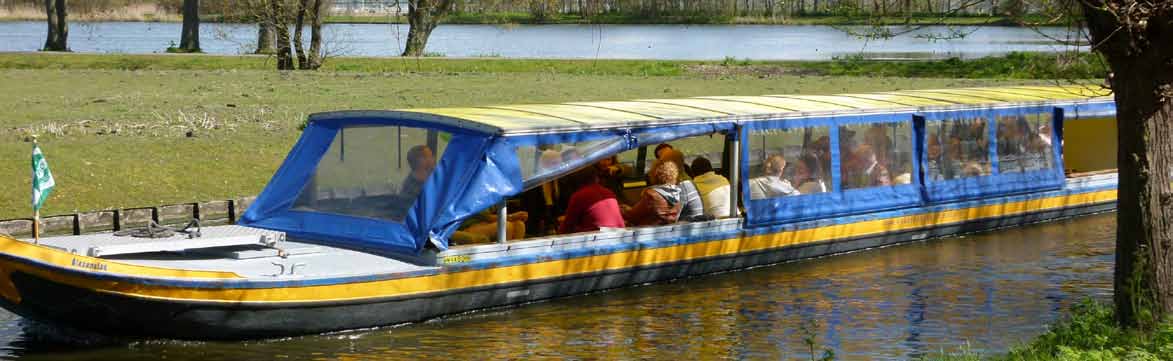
(789, 162)
(876, 154)
(956, 149)
(546, 161)
(373, 171)
(1024, 143)
(709, 146)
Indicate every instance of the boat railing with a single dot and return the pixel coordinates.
(632, 236)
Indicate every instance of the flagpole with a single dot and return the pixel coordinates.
(36, 210)
(37, 226)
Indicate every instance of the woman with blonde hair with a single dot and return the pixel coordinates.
(660, 203)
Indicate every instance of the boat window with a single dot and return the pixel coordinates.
(785, 162)
(541, 162)
(877, 154)
(373, 171)
(1024, 143)
(956, 149)
(708, 146)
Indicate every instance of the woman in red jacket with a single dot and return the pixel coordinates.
(591, 206)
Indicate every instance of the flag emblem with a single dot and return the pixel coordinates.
(42, 178)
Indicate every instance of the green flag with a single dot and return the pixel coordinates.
(42, 178)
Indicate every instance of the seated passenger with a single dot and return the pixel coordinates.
(592, 206)
(864, 170)
(933, 164)
(611, 175)
(660, 203)
(806, 172)
(543, 202)
(675, 156)
(482, 228)
(692, 208)
(771, 184)
(659, 149)
(422, 163)
(713, 188)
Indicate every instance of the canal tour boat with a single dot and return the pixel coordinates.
(379, 217)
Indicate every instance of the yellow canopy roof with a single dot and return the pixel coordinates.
(542, 117)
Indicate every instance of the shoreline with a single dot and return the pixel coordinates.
(526, 19)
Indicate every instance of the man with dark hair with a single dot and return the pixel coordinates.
(713, 188)
(422, 163)
(661, 148)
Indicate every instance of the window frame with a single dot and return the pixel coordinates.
(837, 201)
(996, 183)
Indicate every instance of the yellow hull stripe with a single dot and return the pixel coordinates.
(523, 272)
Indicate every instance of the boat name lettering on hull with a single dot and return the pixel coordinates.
(456, 259)
(96, 266)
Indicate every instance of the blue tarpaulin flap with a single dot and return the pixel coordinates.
(462, 162)
(273, 208)
(498, 178)
(289, 179)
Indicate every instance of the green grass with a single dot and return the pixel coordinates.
(1088, 333)
(115, 128)
(1012, 66)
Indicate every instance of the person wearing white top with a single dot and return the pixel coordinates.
(771, 184)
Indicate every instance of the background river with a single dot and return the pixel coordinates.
(759, 42)
(986, 292)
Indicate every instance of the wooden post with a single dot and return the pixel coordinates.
(231, 211)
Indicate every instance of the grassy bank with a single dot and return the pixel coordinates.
(1012, 66)
(124, 131)
(1089, 333)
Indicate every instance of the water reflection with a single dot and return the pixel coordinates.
(986, 291)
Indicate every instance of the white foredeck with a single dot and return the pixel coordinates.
(249, 252)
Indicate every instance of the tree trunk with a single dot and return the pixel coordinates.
(189, 39)
(422, 16)
(265, 38)
(1135, 41)
(281, 26)
(315, 55)
(58, 35)
(298, 24)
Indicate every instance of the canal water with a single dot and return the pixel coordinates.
(983, 292)
(697, 42)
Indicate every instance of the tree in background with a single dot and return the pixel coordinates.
(313, 10)
(56, 38)
(265, 38)
(422, 17)
(189, 38)
(275, 17)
